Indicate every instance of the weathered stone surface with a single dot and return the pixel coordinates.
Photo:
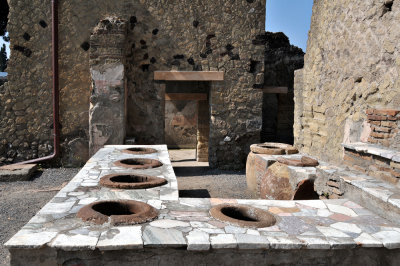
(121, 238)
(157, 237)
(350, 66)
(19, 172)
(210, 36)
(107, 101)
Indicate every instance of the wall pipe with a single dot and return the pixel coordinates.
(56, 97)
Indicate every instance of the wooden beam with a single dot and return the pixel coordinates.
(186, 96)
(189, 75)
(270, 89)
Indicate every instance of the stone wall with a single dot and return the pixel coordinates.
(281, 60)
(173, 35)
(352, 64)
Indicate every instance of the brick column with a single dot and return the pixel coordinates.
(107, 113)
(203, 130)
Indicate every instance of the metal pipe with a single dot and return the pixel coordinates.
(56, 97)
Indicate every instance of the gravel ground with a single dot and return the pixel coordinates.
(202, 182)
(19, 201)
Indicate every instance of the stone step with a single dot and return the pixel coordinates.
(17, 172)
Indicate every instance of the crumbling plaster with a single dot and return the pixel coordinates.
(162, 35)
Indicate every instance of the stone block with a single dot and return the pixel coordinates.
(19, 172)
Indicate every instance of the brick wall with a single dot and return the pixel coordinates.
(373, 165)
(384, 126)
(351, 64)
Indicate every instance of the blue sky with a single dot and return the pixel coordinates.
(7, 46)
(292, 17)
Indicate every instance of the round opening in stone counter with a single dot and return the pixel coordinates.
(139, 163)
(242, 215)
(273, 148)
(132, 181)
(140, 151)
(118, 212)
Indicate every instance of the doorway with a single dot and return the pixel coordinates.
(187, 117)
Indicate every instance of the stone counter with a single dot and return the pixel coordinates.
(307, 232)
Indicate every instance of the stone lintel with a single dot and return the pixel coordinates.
(189, 75)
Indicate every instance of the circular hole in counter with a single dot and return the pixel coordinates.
(139, 163)
(242, 215)
(118, 212)
(132, 181)
(139, 150)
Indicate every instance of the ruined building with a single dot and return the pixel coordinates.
(109, 53)
(123, 76)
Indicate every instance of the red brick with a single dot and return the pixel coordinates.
(377, 135)
(377, 123)
(388, 124)
(377, 117)
(336, 191)
(392, 118)
(372, 140)
(386, 112)
(381, 129)
(362, 156)
(369, 111)
(333, 184)
(348, 160)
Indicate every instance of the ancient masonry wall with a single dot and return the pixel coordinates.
(352, 64)
(173, 35)
(281, 60)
